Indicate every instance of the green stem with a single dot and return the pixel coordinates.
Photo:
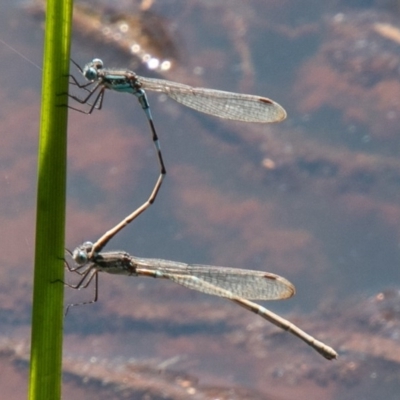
(48, 294)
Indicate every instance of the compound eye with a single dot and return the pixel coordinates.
(91, 74)
(80, 256)
(97, 63)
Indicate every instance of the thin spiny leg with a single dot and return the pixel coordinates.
(86, 100)
(77, 66)
(84, 282)
(77, 269)
(94, 274)
(76, 82)
(98, 102)
(85, 87)
(87, 276)
(80, 85)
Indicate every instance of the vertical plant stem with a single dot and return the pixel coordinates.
(47, 313)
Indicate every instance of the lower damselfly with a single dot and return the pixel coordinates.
(237, 285)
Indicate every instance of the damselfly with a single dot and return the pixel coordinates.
(227, 105)
(237, 285)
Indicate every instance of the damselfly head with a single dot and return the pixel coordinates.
(90, 71)
(81, 254)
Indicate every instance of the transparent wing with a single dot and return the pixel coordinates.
(220, 281)
(228, 105)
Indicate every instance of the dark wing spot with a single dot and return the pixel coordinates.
(270, 276)
(265, 100)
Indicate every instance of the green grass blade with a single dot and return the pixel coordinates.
(47, 313)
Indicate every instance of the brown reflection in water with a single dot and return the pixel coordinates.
(209, 214)
(366, 334)
(356, 71)
(213, 339)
